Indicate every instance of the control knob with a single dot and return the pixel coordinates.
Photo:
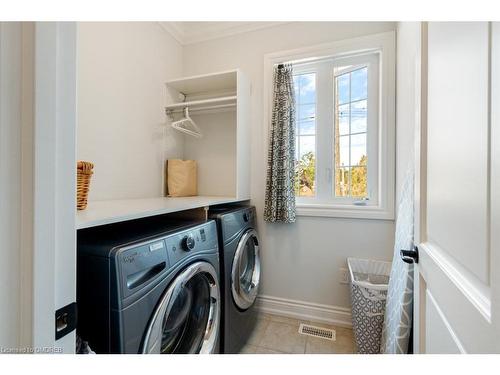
(188, 243)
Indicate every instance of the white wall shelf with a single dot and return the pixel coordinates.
(219, 103)
(206, 83)
(114, 211)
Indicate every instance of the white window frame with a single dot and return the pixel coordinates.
(325, 135)
(382, 160)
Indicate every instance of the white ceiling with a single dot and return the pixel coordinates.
(194, 32)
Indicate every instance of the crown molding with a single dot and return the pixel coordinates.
(175, 29)
(195, 32)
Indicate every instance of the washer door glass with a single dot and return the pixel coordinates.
(245, 275)
(187, 317)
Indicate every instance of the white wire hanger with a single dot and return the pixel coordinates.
(184, 124)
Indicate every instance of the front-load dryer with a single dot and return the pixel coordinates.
(145, 287)
(240, 273)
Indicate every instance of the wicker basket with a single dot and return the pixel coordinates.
(84, 173)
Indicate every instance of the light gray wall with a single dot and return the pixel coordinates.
(122, 70)
(301, 260)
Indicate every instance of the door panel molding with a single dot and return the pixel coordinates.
(468, 322)
(457, 142)
(476, 291)
(433, 305)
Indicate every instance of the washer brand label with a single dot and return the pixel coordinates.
(132, 257)
(129, 258)
(156, 246)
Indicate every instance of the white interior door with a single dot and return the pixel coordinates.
(458, 190)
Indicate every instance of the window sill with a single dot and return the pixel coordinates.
(344, 211)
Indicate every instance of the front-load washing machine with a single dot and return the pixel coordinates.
(148, 287)
(240, 273)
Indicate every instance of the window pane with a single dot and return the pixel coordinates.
(358, 116)
(358, 182)
(296, 87)
(342, 182)
(358, 149)
(343, 119)
(342, 89)
(306, 145)
(359, 84)
(344, 151)
(306, 168)
(307, 88)
(307, 112)
(307, 127)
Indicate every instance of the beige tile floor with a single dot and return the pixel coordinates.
(278, 335)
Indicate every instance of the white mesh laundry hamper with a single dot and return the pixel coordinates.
(369, 280)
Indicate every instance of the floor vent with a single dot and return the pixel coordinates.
(323, 333)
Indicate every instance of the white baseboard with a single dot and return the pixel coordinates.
(315, 312)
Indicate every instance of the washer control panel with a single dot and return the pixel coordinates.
(200, 238)
(144, 262)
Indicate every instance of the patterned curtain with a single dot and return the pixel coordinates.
(280, 192)
(399, 305)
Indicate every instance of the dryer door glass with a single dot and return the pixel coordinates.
(245, 275)
(187, 318)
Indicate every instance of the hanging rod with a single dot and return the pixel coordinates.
(193, 103)
(196, 109)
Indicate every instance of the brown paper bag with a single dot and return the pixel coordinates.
(181, 178)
